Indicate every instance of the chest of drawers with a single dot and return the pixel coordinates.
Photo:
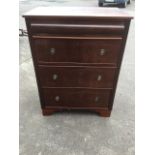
(77, 54)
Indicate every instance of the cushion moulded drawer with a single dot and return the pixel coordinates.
(83, 29)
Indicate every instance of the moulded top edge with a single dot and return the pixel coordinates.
(78, 12)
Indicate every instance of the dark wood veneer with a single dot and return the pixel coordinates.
(78, 50)
(79, 97)
(77, 75)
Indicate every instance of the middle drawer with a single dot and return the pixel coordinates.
(72, 76)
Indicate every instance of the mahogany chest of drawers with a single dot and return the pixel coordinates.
(77, 54)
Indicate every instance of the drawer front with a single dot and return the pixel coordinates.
(76, 97)
(77, 29)
(76, 76)
(77, 51)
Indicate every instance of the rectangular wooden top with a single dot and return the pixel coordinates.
(79, 12)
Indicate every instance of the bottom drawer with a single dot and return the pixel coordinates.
(78, 97)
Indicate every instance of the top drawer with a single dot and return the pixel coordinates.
(77, 26)
(77, 29)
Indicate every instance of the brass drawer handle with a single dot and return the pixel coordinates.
(52, 51)
(55, 77)
(102, 52)
(96, 99)
(99, 78)
(57, 98)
